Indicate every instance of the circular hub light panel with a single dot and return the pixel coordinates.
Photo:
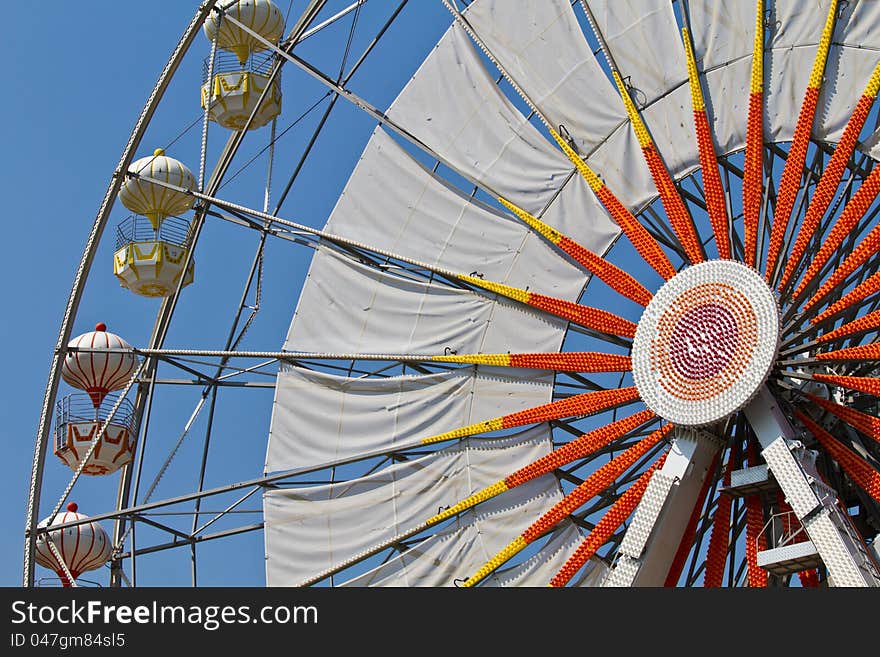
(706, 343)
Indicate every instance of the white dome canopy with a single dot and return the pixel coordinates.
(98, 373)
(82, 547)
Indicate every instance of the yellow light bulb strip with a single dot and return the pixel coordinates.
(578, 448)
(477, 498)
(792, 172)
(716, 203)
(575, 406)
(616, 278)
(591, 318)
(831, 176)
(637, 234)
(600, 480)
(570, 361)
(753, 166)
(679, 216)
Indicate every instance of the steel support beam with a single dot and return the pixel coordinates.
(814, 503)
(646, 551)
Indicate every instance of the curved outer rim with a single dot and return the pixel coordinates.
(79, 280)
(166, 310)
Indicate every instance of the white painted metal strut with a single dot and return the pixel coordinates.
(813, 502)
(78, 285)
(647, 550)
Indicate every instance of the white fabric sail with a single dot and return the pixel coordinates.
(455, 106)
(643, 40)
(485, 138)
(356, 515)
(541, 45)
(393, 203)
(371, 311)
(452, 555)
(322, 419)
(540, 568)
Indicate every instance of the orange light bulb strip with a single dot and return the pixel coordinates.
(586, 444)
(866, 384)
(866, 477)
(594, 484)
(827, 186)
(687, 537)
(866, 248)
(676, 210)
(753, 167)
(569, 361)
(592, 318)
(612, 275)
(580, 447)
(797, 155)
(638, 235)
(613, 518)
(867, 424)
(575, 406)
(863, 290)
(716, 203)
(719, 540)
(852, 213)
(755, 540)
(865, 323)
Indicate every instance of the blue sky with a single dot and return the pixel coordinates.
(79, 76)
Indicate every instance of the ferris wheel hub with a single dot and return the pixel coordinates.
(706, 342)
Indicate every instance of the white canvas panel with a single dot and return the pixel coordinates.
(320, 419)
(644, 41)
(393, 203)
(346, 307)
(858, 21)
(477, 536)
(797, 22)
(722, 32)
(454, 106)
(541, 45)
(576, 212)
(310, 529)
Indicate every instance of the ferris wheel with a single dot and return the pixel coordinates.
(596, 306)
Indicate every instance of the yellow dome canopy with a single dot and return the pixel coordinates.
(153, 200)
(261, 16)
